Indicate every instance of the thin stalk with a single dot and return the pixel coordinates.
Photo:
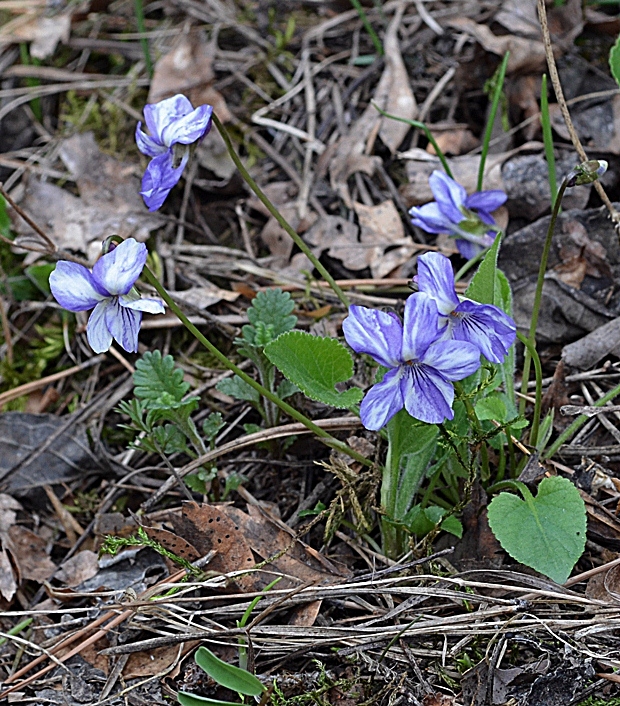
(139, 10)
(368, 27)
(545, 122)
(531, 349)
(578, 423)
(276, 214)
(497, 94)
(27, 60)
(286, 408)
(538, 295)
(429, 136)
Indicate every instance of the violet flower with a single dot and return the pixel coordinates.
(108, 289)
(484, 325)
(174, 126)
(466, 218)
(421, 365)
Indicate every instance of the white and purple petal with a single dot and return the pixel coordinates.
(118, 270)
(467, 249)
(148, 306)
(382, 401)
(159, 115)
(148, 145)
(486, 200)
(74, 288)
(454, 360)
(421, 326)
(189, 128)
(436, 278)
(428, 396)
(159, 179)
(431, 218)
(99, 337)
(124, 325)
(485, 326)
(449, 194)
(374, 332)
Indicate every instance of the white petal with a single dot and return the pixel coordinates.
(118, 271)
(99, 338)
(73, 287)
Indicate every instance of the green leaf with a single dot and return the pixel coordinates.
(192, 700)
(170, 439)
(546, 532)
(39, 275)
(157, 382)
(270, 316)
(421, 521)
(5, 220)
(238, 389)
(315, 365)
(212, 425)
(227, 675)
(482, 286)
(492, 407)
(286, 389)
(614, 60)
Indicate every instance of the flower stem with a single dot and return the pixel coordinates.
(286, 408)
(545, 121)
(531, 349)
(497, 93)
(276, 214)
(139, 10)
(538, 295)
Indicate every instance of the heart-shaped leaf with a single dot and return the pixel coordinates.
(546, 532)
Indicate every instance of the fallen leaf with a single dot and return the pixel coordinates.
(305, 615)
(597, 123)
(29, 552)
(79, 568)
(455, 142)
(206, 295)
(156, 661)
(438, 699)
(42, 30)
(8, 582)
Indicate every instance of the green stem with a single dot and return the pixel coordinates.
(286, 408)
(425, 130)
(578, 423)
(531, 349)
(545, 122)
(275, 213)
(497, 93)
(538, 295)
(368, 27)
(139, 10)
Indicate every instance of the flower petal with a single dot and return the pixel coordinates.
(124, 325)
(382, 401)
(159, 115)
(431, 218)
(159, 179)
(73, 287)
(436, 278)
(118, 270)
(449, 194)
(455, 360)
(428, 395)
(374, 332)
(485, 326)
(147, 145)
(486, 200)
(150, 306)
(99, 338)
(190, 128)
(421, 326)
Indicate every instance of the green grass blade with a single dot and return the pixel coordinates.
(368, 27)
(545, 120)
(139, 10)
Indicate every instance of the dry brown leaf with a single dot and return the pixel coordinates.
(438, 699)
(81, 567)
(206, 295)
(156, 661)
(8, 582)
(455, 142)
(29, 552)
(519, 17)
(305, 615)
(44, 32)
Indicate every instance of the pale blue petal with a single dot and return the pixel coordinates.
(467, 249)
(486, 200)
(150, 306)
(147, 145)
(159, 115)
(374, 332)
(436, 278)
(421, 326)
(382, 401)
(73, 287)
(124, 325)
(487, 218)
(159, 179)
(190, 128)
(428, 396)
(449, 194)
(432, 219)
(455, 360)
(118, 271)
(99, 337)
(485, 326)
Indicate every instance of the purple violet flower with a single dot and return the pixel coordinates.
(174, 126)
(484, 325)
(421, 364)
(109, 290)
(461, 216)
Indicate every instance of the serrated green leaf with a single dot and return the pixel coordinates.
(546, 532)
(482, 286)
(270, 316)
(238, 389)
(285, 389)
(170, 439)
(614, 60)
(492, 407)
(212, 425)
(316, 365)
(227, 675)
(157, 382)
(192, 700)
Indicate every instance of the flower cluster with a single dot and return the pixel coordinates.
(109, 291)
(440, 341)
(174, 126)
(466, 218)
